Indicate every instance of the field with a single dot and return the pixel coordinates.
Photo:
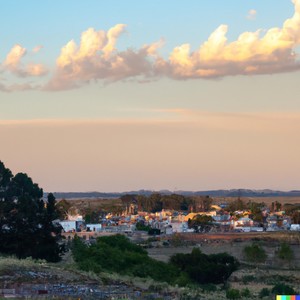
(254, 277)
(267, 200)
(112, 203)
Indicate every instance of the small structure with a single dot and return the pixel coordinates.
(94, 227)
(243, 222)
(295, 227)
(69, 226)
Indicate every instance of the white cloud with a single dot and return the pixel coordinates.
(252, 14)
(13, 64)
(37, 49)
(252, 53)
(96, 57)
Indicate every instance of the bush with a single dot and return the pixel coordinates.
(209, 287)
(248, 278)
(265, 292)
(285, 252)
(245, 293)
(283, 289)
(255, 253)
(233, 294)
(117, 254)
(141, 226)
(202, 268)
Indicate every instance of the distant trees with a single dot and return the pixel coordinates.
(237, 204)
(296, 217)
(276, 206)
(26, 222)
(62, 208)
(256, 210)
(201, 223)
(156, 202)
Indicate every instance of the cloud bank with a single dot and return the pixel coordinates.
(96, 57)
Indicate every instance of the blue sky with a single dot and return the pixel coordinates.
(207, 87)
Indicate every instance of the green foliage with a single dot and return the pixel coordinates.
(264, 292)
(26, 223)
(248, 278)
(209, 287)
(245, 293)
(255, 253)
(256, 210)
(156, 202)
(235, 205)
(117, 254)
(233, 294)
(62, 208)
(283, 289)
(154, 231)
(141, 226)
(92, 216)
(285, 252)
(201, 223)
(202, 268)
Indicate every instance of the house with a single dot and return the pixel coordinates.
(72, 225)
(295, 227)
(243, 222)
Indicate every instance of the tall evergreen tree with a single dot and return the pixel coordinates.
(26, 222)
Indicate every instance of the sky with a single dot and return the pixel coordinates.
(118, 96)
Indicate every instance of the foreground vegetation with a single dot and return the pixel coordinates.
(117, 254)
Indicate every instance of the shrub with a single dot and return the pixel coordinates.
(245, 293)
(233, 294)
(248, 278)
(255, 253)
(283, 289)
(264, 292)
(117, 254)
(202, 268)
(285, 252)
(209, 287)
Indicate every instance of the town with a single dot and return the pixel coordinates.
(202, 214)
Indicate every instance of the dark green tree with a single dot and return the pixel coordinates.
(285, 252)
(201, 223)
(233, 294)
(62, 207)
(26, 222)
(237, 204)
(296, 217)
(255, 253)
(283, 289)
(202, 268)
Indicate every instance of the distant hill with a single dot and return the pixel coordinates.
(212, 193)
